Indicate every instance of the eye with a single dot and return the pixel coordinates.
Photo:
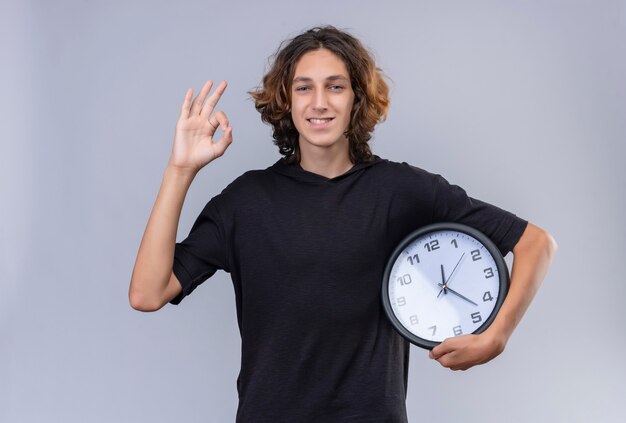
(336, 87)
(302, 88)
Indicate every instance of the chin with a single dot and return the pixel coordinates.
(323, 141)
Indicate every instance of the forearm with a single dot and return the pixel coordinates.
(155, 257)
(532, 257)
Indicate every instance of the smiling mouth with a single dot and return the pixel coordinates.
(319, 121)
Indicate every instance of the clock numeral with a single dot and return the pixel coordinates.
(476, 255)
(453, 242)
(414, 320)
(487, 296)
(432, 245)
(457, 330)
(476, 317)
(488, 273)
(401, 301)
(404, 280)
(434, 329)
(413, 260)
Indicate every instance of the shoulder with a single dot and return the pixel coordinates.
(247, 184)
(403, 172)
(249, 178)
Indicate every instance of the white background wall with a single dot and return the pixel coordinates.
(521, 103)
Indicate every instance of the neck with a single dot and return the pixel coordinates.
(328, 162)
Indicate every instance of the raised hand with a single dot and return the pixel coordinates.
(193, 146)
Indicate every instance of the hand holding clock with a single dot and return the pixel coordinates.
(465, 351)
(477, 336)
(533, 254)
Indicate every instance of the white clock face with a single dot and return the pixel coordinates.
(443, 284)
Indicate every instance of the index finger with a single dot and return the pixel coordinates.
(184, 109)
(211, 102)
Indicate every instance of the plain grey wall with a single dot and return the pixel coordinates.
(521, 103)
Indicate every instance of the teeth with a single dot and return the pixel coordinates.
(319, 121)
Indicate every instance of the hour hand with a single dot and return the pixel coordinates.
(456, 293)
(443, 281)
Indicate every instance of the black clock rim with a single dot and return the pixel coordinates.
(503, 272)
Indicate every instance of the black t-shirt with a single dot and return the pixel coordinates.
(306, 255)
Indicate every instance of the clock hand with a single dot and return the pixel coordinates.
(457, 294)
(443, 280)
(455, 267)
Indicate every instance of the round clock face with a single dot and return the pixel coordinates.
(443, 280)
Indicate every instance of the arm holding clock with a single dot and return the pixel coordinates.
(533, 254)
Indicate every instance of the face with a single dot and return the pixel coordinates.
(321, 101)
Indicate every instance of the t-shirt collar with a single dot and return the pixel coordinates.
(296, 171)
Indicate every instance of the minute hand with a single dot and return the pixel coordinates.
(457, 294)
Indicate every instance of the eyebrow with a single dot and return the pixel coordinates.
(330, 78)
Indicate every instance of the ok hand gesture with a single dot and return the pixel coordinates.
(193, 146)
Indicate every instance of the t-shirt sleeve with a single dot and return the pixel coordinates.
(203, 252)
(452, 204)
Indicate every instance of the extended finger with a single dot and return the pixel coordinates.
(197, 103)
(208, 107)
(184, 110)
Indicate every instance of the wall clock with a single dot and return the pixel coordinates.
(443, 280)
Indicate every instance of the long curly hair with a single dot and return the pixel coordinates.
(371, 93)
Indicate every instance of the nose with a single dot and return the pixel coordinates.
(320, 103)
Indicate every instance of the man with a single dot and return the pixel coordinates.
(306, 241)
